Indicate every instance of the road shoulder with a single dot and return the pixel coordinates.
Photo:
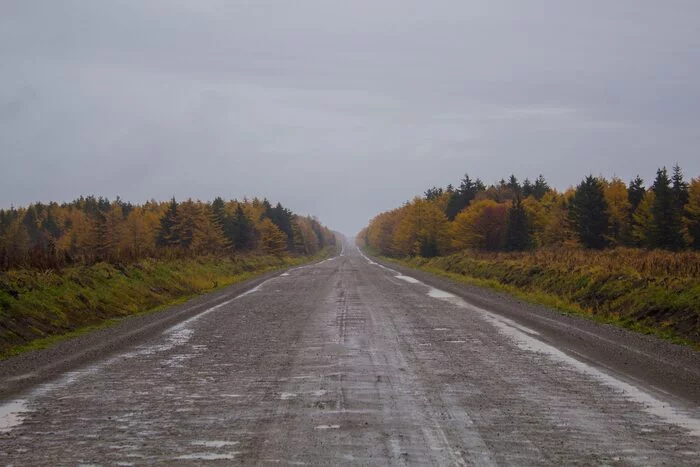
(660, 367)
(35, 367)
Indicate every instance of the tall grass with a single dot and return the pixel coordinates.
(654, 291)
(44, 304)
(647, 263)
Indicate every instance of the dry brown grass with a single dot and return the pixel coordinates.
(647, 263)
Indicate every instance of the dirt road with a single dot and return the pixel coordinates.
(349, 362)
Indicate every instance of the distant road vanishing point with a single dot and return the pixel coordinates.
(348, 361)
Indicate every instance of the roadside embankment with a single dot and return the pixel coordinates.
(650, 292)
(39, 308)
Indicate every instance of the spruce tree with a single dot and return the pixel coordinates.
(223, 219)
(513, 184)
(540, 188)
(680, 189)
(166, 235)
(433, 193)
(242, 234)
(635, 192)
(461, 197)
(666, 228)
(588, 213)
(518, 229)
(282, 218)
(218, 208)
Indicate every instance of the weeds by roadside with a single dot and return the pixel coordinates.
(650, 292)
(40, 308)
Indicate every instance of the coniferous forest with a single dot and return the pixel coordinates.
(91, 230)
(625, 253)
(65, 268)
(514, 216)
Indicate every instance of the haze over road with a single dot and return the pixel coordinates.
(347, 361)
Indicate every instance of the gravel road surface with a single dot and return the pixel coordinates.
(351, 362)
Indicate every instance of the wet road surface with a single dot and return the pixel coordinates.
(350, 362)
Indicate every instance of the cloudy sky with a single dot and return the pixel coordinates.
(339, 109)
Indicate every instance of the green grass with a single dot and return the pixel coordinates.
(39, 309)
(667, 307)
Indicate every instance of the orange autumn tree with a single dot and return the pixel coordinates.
(421, 230)
(481, 225)
(477, 216)
(272, 239)
(90, 229)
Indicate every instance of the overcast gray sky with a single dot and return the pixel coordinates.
(339, 109)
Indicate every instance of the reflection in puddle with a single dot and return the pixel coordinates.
(214, 444)
(327, 427)
(408, 279)
(11, 414)
(209, 456)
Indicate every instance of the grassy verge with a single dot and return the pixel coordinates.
(663, 304)
(39, 309)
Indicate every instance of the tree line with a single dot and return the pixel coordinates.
(514, 216)
(91, 229)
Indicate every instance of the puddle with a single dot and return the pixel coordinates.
(285, 462)
(649, 403)
(209, 456)
(214, 444)
(287, 395)
(441, 329)
(180, 336)
(12, 414)
(442, 295)
(409, 279)
(456, 342)
(327, 427)
(523, 337)
(176, 361)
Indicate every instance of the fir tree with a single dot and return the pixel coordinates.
(433, 193)
(218, 208)
(517, 231)
(513, 184)
(282, 218)
(680, 189)
(540, 188)
(588, 213)
(242, 233)
(635, 192)
(461, 197)
(666, 228)
(166, 235)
